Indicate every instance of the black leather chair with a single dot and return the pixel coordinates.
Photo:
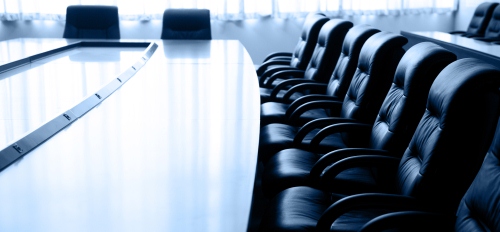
(397, 119)
(440, 163)
(492, 32)
(479, 21)
(288, 55)
(321, 65)
(92, 22)
(274, 112)
(186, 24)
(376, 66)
(478, 209)
(303, 50)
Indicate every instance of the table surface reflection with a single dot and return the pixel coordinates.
(174, 149)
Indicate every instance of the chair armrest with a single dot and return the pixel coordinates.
(308, 98)
(264, 66)
(360, 129)
(314, 124)
(456, 32)
(371, 161)
(337, 155)
(487, 39)
(284, 74)
(277, 54)
(365, 201)
(325, 104)
(411, 221)
(282, 85)
(312, 86)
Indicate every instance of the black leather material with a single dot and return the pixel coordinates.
(480, 20)
(492, 32)
(186, 24)
(479, 209)
(304, 49)
(274, 112)
(92, 22)
(324, 57)
(376, 66)
(438, 166)
(394, 126)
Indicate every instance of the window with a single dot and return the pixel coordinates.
(224, 9)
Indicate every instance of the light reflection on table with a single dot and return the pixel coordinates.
(174, 149)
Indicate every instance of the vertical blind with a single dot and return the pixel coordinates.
(225, 9)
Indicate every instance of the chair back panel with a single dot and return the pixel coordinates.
(348, 59)
(186, 24)
(481, 17)
(328, 47)
(453, 135)
(307, 41)
(92, 22)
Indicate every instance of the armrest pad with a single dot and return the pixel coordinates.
(372, 161)
(337, 155)
(312, 86)
(365, 200)
(264, 66)
(282, 85)
(304, 99)
(269, 72)
(283, 74)
(487, 39)
(456, 32)
(325, 104)
(314, 124)
(411, 221)
(275, 54)
(361, 129)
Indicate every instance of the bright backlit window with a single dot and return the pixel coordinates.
(225, 9)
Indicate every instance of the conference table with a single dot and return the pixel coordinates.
(127, 135)
(463, 47)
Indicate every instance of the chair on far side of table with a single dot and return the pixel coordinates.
(186, 24)
(92, 22)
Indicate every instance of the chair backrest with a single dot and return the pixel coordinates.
(92, 22)
(493, 28)
(186, 24)
(328, 46)
(348, 59)
(307, 41)
(479, 209)
(481, 17)
(405, 102)
(453, 136)
(377, 63)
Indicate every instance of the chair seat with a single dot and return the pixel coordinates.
(291, 167)
(274, 112)
(276, 137)
(265, 96)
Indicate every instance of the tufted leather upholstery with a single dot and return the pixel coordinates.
(396, 121)
(274, 112)
(492, 32)
(435, 171)
(376, 66)
(303, 51)
(92, 22)
(479, 209)
(479, 21)
(186, 24)
(324, 57)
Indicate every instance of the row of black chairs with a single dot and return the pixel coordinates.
(358, 134)
(102, 22)
(485, 23)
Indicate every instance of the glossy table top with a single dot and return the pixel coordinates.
(467, 43)
(173, 149)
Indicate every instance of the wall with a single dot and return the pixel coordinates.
(260, 36)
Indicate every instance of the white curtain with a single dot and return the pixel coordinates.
(225, 9)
